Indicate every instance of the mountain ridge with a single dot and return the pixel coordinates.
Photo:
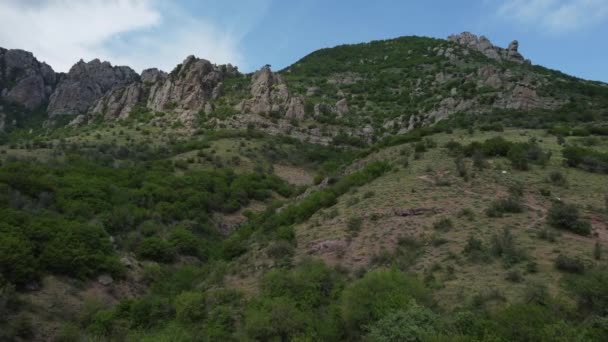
(425, 79)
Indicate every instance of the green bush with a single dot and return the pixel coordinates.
(569, 264)
(157, 249)
(586, 159)
(185, 242)
(591, 291)
(371, 298)
(280, 249)
(444, 224)
(416, 323)
(504, 245)
(565, 216)
(511, 204)
(17, 262)
(190, 307)
(275, 319)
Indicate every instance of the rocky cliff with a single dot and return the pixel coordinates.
(24, 80)
(85, 84)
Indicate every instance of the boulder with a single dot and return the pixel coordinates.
(323, 109)
(342, 107)
(313, 91)
(105, 279)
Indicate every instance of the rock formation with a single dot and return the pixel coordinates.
(24, 80)
(270, 95)
(483, 45)
(85, 84)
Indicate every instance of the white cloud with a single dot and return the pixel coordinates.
(138, 33)
(556, 16)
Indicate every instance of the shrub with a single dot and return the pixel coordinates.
(597, 250)
(565, 216)
(354, 224)
(185, 242)
(372, 297)
(17, 262)
(511, 204)
(557, 178)
(475, 250)
(586, 159)
(591, 290)
(444, 224)
(503, 245)
(275, 319)
(190, 307)
(280, 249)
(514, 276)
(523, 322)
(413, 324)
(466, 212)
(569, 264)
(156, 249)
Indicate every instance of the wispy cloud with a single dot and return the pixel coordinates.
(138, 33)
(555, 16)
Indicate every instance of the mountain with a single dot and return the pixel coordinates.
(409, 189)
(366, 90)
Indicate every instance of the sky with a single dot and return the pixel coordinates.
(567, 35)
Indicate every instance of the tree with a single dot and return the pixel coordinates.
(565, 216)
(413, 324)
(17, 262)
(190, 307)
(275, 319)
(376, 294)
(156, 249)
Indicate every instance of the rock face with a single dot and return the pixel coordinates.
(85, 84)
(187, 88)
(24, 80)
(186, 91)
(342, 107)
(269, 94)
(483, 45)
(119, 103)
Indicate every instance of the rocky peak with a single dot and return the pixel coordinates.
(86, 83)
(153, 75)
(270, 94)
(24, 80)
(485, 46)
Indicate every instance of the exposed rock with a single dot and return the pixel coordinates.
(295, 110)
(342, 107)
(323, 109)
(24, 80)
(79, 120)
(218, 91)
(105, 279)
(270, 94)
(313, 91)
(120, 102)
(153, 75)
(85, 84)
(483, 45)
(32, 286)
(187, 88)
(127, 261)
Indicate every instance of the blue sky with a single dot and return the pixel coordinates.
(568, 35)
